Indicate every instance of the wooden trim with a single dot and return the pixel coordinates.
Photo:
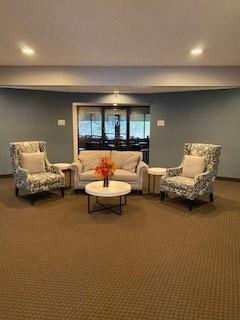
(228, 179)
(128, 126)
(75, 131)
(104, 107)
(8, 175)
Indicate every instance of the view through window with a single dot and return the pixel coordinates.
(90, 122)
(123, 128)
(140, 123)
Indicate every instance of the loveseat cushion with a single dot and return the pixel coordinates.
(91, 158)
(131, 163)
(89, 176)
(120, 157)
(97, 153)
(90, 163)
(124, 175)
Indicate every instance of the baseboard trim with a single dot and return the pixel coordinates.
(6, 175)
(229, 179)
(9, 175)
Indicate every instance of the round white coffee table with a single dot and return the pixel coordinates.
(154, 172)
(115, 189)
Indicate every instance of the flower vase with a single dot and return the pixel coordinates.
(105, 182)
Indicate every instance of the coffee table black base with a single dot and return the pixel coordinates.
(105, 207)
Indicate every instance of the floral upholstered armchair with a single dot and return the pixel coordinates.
(49, 178)
(198, 185)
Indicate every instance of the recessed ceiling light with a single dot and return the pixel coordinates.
(115, 104)
(27, 51)
(196, 52)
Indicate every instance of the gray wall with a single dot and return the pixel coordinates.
(32, 115)
(203, 116)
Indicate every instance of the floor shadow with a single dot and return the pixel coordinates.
(11, 201)
(201, 205)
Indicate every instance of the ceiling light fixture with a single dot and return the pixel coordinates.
(196, 52)
(27, 51)
(116, 92)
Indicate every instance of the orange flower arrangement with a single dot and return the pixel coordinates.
(106, 167)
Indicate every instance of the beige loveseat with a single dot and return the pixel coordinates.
(84, 172)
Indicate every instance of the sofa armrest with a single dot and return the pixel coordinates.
(171, 172)
(142, 166)
(77, 167)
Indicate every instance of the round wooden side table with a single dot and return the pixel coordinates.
(155, 171)
(65, 167)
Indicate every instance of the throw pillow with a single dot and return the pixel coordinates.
(118, 158)
(90, 163)
(193, 165)
(34, 162)
(131, 163)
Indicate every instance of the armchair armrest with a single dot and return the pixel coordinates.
(21, 176)
(171, 172)
(142, 166)
(54, 169)
(22, 173)
(205, 177)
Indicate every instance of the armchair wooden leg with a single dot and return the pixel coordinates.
(62, 192)
(162, 195)
(211, 197)
(190, 205)
(32, 199)
(16, 191)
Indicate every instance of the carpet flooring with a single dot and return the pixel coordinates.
(156, 261)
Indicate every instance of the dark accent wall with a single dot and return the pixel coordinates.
(200, 116)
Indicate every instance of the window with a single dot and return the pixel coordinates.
(90, 122)
(105, 127)
(139, 123)
(115, 123)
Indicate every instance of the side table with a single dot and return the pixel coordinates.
(65, 167)
(154, 172)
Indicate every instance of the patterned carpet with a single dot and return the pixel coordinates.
(156, 261)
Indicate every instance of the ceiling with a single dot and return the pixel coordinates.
(120, 32)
